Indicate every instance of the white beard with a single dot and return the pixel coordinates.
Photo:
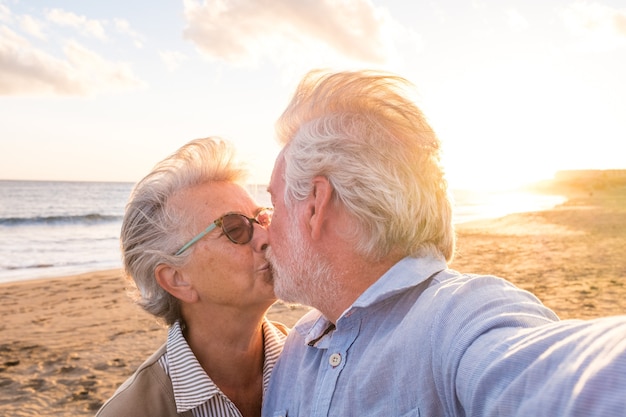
(302, 276)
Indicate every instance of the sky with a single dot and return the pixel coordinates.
(101, 91)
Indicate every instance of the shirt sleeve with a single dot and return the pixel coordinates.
(568, 368)
(464, 311)
(505, 354)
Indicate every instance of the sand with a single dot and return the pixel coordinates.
(67, 343)
(572, 257)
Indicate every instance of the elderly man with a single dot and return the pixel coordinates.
(362, 231)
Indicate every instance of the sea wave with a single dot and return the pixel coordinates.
(92, 218)
(33, 266)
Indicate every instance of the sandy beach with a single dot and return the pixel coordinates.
(67, 343)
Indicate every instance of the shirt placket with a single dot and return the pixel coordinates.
(334, 360)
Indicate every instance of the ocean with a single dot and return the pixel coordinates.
(50, 228)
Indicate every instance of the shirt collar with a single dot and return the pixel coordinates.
(273, 339)
(191, 384)
(407, 273)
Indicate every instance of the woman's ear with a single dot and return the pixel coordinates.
(175, 283)
(319, 205)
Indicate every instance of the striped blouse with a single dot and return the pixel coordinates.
(193, 388)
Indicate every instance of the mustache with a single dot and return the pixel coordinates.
(270, 257)
(269, 254)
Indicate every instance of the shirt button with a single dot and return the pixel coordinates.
(334, 360)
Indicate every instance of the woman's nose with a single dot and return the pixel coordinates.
(260, 240)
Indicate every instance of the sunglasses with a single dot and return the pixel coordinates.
(237, 227)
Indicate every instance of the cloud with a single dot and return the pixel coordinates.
(32, 26)
(598, 25)
(516, 21)
(172, 59)
(26, 70)
(620, 23)
(89, 27)
(5, 14)
(123, 26)
(246, 30)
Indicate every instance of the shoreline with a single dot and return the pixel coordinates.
(482, 205)
(69, 342)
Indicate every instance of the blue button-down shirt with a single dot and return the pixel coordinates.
(428, 341)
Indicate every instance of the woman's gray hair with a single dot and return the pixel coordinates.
(363, 132)
(152, 231)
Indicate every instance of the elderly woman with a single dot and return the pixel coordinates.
(193, 241)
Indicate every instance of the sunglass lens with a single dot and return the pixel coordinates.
(237, 228)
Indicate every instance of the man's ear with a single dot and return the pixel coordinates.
(172, 281)
(319, 205)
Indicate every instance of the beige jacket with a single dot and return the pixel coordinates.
(148, 392)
